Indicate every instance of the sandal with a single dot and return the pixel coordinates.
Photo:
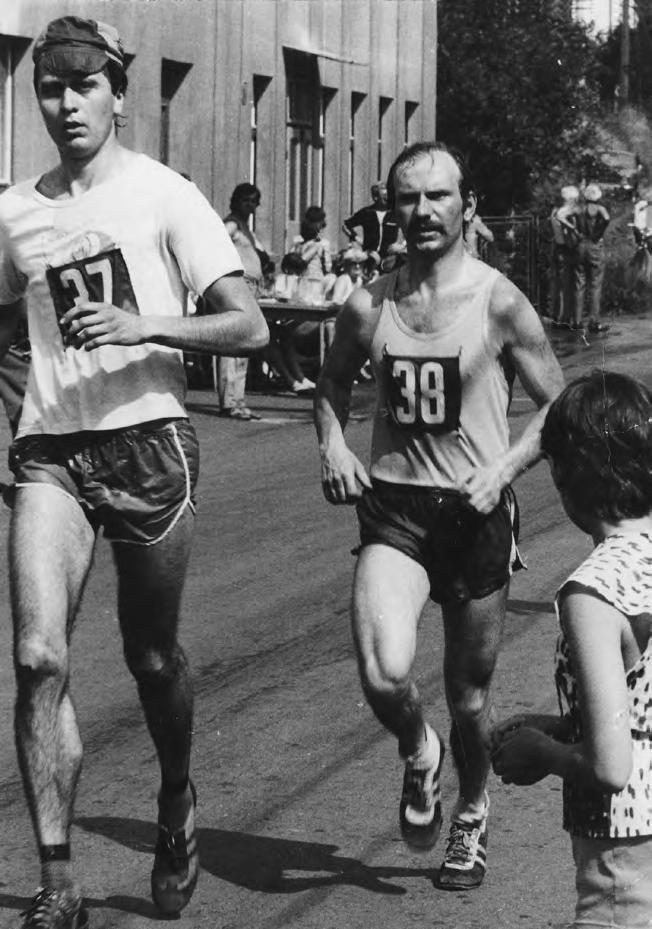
(239, 412)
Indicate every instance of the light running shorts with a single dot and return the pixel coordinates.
(134, 483)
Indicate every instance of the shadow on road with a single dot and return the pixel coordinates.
(133, 905)
(263, 863)
(527, 607)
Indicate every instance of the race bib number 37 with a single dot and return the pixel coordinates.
(102, 278)
(425, 393)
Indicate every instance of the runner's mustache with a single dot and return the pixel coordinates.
(427, 227)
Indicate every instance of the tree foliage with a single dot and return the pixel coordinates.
(640, 63)
(517, 92)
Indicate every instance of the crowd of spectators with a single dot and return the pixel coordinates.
(310, 274)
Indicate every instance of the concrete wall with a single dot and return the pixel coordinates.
(375, 48)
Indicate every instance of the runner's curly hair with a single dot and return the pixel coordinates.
(598, 437)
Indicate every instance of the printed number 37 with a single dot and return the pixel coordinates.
(73, 278)
(422, 390)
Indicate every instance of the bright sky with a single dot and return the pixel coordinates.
(603, 10)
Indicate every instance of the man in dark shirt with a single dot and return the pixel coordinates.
(378, 224)
(590, 220)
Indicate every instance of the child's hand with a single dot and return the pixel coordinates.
(500, 730)
(520, 757)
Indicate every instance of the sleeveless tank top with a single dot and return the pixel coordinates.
(442, 396)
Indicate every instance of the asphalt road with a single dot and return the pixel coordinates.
(298, 785)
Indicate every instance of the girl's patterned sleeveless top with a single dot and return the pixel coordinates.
(619, 571)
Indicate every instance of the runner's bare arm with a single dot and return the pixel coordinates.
(233, 324)
(519, 332)
(343, 476)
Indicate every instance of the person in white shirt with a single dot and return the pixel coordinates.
(232, 372)
(564, 249)
(103, 249)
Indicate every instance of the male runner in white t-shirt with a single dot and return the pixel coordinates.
(445, 334)
(104, 248)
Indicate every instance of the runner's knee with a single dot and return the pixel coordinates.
(384, 675)
(37, 658)
(154, 665)
(469, 702)
(469, 670)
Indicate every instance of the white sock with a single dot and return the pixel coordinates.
(471, 814)
(428, 754)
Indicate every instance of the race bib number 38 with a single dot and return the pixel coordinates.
(424, 393)
(102, 278)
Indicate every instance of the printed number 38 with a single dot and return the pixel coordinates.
(422, 389)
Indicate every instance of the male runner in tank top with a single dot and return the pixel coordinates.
(446, 335)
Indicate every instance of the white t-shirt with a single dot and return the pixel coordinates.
(642, 215)
(139, 241)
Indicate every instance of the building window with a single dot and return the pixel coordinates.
(304, 118)
(7, 64)
(356, 103)
(172, 76)
(260, 85)
(409, 121)
(325, 98)
(384, 104)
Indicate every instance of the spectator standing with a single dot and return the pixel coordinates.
(642, 215)
(317, 278)
(476, 230)
(102, 248)
(232, 372)
(598, 440)
(639, 270)
(591, 220)
(445, 334)
(564, 250)
(379, 226)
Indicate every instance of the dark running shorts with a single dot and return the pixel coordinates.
(466, 555)
(134, 483)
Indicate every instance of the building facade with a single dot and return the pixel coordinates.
(309, 99)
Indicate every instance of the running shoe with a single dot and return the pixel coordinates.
(55, 909)
(465, 860)
(420, 809)
(176, 862)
